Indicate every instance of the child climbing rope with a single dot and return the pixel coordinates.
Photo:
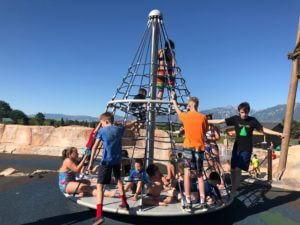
(139, 109)
(165, 72)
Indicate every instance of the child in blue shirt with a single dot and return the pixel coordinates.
(111, 137)
(137, 178)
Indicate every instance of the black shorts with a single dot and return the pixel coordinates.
(241, 159)
(193, 160)
(104, 173)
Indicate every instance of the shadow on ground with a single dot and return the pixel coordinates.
(71, 218)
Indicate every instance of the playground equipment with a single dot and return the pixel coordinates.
(154, 138)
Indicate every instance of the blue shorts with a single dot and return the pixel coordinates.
(241, 159)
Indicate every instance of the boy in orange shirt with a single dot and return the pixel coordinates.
(195, 126)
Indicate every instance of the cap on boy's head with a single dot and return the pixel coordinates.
(245, 106)
(214, 176)
(139, 161)
(151, 170)
(171, 44)
(195, 100)
(209, 116)
(107, 116)
(142, 91)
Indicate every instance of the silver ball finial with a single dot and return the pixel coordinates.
(155, 13)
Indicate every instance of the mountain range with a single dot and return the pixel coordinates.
(272, 114)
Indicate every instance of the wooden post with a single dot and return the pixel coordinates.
(289, 114)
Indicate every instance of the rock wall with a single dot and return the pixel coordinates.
(41, 140)
(48, 140)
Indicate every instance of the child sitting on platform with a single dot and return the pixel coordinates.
(67, 172)
(155, 188)
(136, 179)
(212, 192)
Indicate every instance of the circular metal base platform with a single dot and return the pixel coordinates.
(173, 209)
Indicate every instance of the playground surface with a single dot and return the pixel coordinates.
(37, 200)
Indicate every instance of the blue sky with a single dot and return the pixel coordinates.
(68, 56)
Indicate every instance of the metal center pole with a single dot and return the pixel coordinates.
(154, 17)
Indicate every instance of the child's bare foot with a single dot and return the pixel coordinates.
(81, 194)
(112, 193)
(162, 204)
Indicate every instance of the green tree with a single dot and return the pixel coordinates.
(40, 118)
(18, 117)
(295, 127)
(62, 122)
(4, 109)
(52, 122)
(32, 121)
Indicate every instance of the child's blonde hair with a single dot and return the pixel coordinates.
(195, 100)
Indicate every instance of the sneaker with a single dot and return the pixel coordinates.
(188, 207)
(98, 221)
(204, 206)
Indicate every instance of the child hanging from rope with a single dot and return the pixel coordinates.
(137, 179)
(244, 126)
(165, 71)
(155, 187)
(195, 126)
(111, 137)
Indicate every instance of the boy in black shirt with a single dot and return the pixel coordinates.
(139, 109)
(244, 126)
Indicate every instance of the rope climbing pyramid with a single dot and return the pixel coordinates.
(144, 95)
(145, 92)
